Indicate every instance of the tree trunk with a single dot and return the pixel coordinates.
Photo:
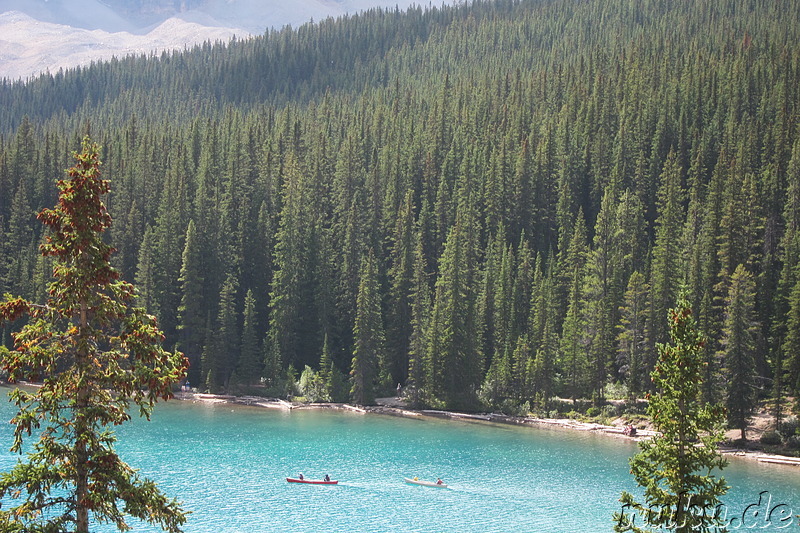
(81, 453)
(81, 477)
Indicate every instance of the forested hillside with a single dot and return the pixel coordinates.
(491, 204)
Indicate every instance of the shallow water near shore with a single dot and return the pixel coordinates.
(228, 465)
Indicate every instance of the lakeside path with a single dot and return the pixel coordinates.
(395, 407)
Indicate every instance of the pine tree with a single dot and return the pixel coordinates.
(738, 347)
(522, 291)
(664, 269)
(676, 467)
(273, 364)
(488, 298)
(454, 363)
(541, 370)
(787, 300)
(420, 319)
(169, 236)
(331, 376)
(497, 383)
(401, 278)
(192, 313)
(221, 352)
(503, 303)
(521, 386)
(249, 367)
(145, 282)
(107, 359)
(291, 319)
(573, 344)
(632, 337)
(128, 234)
(368, 334)
(14, 268)
(791, 346)
(601, 292)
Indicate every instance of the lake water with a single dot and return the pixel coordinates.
(228, 465)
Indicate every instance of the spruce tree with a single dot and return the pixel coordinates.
(665, 255)
(192, 312)
(249, 368)
(601, 291)
(497, 383)
(791, 346)
(95, 354)
(487, 299)
(503, 303)
(785, 332)
(738, 348)
(632, 337)
(368, 333)
(221, 352)
(291, 290)
(169, 232)
(676, 467)
(145, 282)
(401, 278)
(420, 319)
(14, 271)
(540, 370)
(573, 343)
(454, 363)
(522, 363)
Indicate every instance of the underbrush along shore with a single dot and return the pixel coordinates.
(395, 407)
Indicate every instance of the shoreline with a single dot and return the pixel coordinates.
(394, 407)
(565, 424)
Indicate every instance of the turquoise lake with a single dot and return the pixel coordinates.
(228, 465)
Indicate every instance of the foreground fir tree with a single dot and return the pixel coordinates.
(676, 467)
(96, 358)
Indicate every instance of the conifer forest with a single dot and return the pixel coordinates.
(492, 204)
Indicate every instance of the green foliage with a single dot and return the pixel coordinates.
(632, 337)
(249, 366)
(665, 137)
(221, 351)
(96, 355)
(453, 360)
(593, 411)
(676, 467)
(791, 346)
(313, 386)
(739, 346)
(771, 438)
(369, 337)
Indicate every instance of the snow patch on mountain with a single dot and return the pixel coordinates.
(47, 35)
(29, 47)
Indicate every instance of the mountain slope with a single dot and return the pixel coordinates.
(30, 47)
(74, 13)
(47, 35)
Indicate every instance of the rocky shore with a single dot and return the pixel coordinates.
(395, 407)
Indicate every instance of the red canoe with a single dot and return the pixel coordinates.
(312, 481)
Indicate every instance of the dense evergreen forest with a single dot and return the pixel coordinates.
(492, 204)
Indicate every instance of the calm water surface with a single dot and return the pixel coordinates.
(228, 465)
